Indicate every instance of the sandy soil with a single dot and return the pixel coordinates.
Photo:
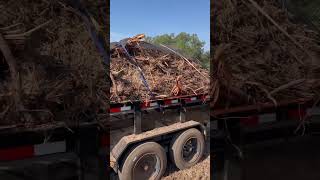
(295, 160)
(200, 171)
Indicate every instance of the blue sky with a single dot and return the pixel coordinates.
(156, 17)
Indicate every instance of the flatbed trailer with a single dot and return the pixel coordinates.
(54, 152)
(237, 129)
(145, 136)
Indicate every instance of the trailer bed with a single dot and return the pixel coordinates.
(161, 111)
(260, 107)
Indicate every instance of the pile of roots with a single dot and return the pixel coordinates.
(50, 70)
(167, 73)
(261, 55)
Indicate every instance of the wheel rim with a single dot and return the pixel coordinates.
(147, 167)
(190, 150)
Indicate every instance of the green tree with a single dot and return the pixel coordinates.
(205, 59)
(188, 44)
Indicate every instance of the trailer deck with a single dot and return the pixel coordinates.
(163, 111)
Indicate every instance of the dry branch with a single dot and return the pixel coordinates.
(256, 42)
(57, 75)
(167, 73)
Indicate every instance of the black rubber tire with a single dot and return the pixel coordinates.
(126, 171)
(177, 146)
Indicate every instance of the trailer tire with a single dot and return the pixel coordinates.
(184, 154)
(136, 163)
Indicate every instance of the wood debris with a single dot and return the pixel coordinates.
(167, 73)
(50, 70)
(261, 55)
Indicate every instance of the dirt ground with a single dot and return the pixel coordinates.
(201, 171)
(293, 159)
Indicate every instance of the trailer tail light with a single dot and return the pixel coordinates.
(259, 119)
(23, 152)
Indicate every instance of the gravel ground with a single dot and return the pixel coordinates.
(295, 160)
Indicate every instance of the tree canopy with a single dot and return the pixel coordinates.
(188, 44)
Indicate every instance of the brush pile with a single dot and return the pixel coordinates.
(167, 73)
(261, 55)
(50, 70)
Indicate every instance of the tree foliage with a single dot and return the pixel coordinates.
(188, 44)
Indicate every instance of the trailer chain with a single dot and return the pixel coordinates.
(134, 62)
(97, 38)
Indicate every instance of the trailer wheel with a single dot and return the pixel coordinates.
(145, 161)
(187, 148)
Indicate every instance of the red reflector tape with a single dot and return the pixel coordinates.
(250, 121)
(205, 97)
(10, 154)
(145, 105)
(154, 104)
(105, 140)
(115, 110)
(120, 109)
(16, 153)
(175, 101)
(149, 104)
(168, 102)
(297, 113)
(261, 119)
(126, 108)
(191, 99)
